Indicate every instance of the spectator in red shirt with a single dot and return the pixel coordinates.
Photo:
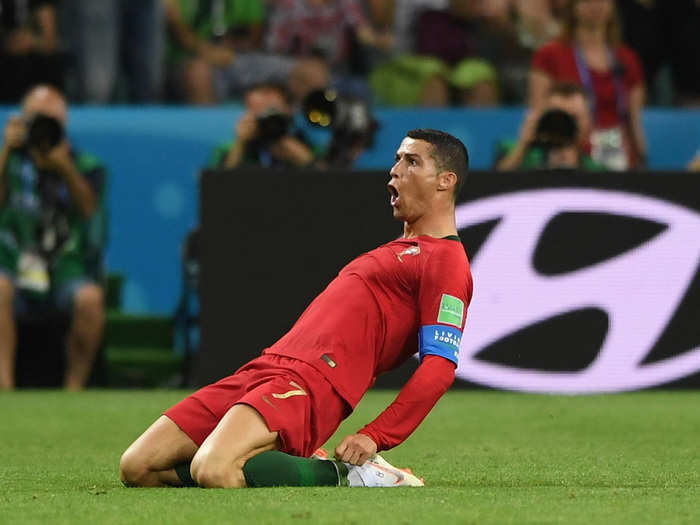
(590, 53)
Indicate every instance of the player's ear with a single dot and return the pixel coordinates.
(447, 181)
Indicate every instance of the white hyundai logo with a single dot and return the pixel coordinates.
(639, 289)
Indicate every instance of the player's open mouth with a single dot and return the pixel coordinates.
(394, 195)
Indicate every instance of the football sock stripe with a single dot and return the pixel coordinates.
(183, 472)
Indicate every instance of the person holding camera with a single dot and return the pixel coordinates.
(265, 133)
(590, 53)
(52, 222)
(555, 136)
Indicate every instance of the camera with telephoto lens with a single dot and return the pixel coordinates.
(352, 123)
(43, 133)
(554, 130)
(272, 125)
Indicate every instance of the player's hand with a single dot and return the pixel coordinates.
(355, 449)
(56, 159)
(292, 150)
(529, 126)
(246, 127)
(15, 132)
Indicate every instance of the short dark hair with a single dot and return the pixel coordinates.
(448, 152)
(280, 88)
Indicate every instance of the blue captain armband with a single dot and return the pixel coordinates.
(437, 339)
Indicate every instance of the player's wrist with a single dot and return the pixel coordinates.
(373, 436)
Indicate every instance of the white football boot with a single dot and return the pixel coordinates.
(378, 472)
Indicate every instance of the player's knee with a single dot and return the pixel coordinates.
(132, 470)
(210, 473)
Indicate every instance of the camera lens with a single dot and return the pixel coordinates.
(273, 126)
(556, 128)
(43, 132)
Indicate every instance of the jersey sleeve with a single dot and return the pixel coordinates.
(633, 71)
(444, 294)
(545, 59)
(417, 398)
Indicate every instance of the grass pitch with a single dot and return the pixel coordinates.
(487, 458)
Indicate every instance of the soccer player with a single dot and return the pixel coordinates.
(259, 426)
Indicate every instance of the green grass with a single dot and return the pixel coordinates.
(487, 458)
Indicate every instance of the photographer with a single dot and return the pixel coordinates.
(540, 136)
(350, 121)
(555, 145)
(265, 133)
(51, 233)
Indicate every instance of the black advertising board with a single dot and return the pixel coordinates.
(583, 282)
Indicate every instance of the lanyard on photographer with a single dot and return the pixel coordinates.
(28, 178)
(585, 74)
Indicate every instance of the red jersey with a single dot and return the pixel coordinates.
(407, 296)
(557, 59)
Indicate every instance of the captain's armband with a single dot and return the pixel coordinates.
(439, 340)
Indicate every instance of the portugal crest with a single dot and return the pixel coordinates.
(413, 250)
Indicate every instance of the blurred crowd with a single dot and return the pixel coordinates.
(393, 52)
(585, 69)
